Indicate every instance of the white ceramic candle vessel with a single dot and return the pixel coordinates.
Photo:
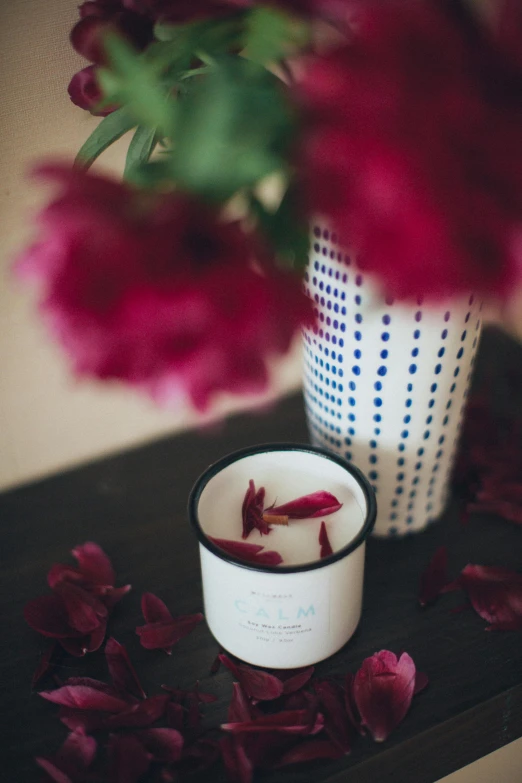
(305, 609)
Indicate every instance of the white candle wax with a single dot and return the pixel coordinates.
(286, 475)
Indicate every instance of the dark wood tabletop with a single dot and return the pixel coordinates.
(134, 505)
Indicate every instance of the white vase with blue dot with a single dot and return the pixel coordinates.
(385, 384)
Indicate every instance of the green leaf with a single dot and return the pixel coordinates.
(272, 35)
(140, 149)
(109, 130)
(153, 174)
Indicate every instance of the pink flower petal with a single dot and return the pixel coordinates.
(59, 573)
(121, 669)
(495, 594)
(324, 542)
(72, 760)
(129, 759)
(257, 684)
(54, 772)
(111, 595)
(83, 697)
(154, 636)
(238, 766)
(287, 721)
(310, 750)
(318, 504)
(47, 615)
(251, 553)
(294, 680)
(144, 713)
(175, 716)
(252, 511)
(332, 705)
(383, 689)
(94, 564)
(435, 577)
(164, 744)
(153, 609)
(89, 721)
(84, 610)
(240, 709)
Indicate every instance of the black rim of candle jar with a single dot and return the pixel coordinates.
(217, 467)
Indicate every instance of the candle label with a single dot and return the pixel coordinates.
(275, 617)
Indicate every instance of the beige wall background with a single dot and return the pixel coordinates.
(47, 420)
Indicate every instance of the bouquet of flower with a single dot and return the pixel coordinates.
(399, 122)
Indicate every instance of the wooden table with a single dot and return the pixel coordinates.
(134, 506)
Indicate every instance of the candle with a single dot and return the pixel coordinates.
(306, 608)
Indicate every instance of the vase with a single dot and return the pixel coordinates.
(385, 384)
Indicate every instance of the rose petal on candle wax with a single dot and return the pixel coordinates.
(324, 542)
(252, 510)
(383, 689)
(286, 721)
(495, 594)
(121, 669)
(257, 684)
(163, 635)
(435, 577)
(318, 504)
(250, 553)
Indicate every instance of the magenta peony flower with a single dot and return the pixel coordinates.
(411, 149)
(154, 290)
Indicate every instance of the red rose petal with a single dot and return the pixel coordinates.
(121, 669)
(94, 564)
(251, 553)
(383, 689)
(98, 685)
(495, 594)
(153, 609)
(332, 705)
(294, 680)
(84, 610)
(165, 744)
(324, 542)
(111, 595)
(129, 759)
(59, 573)
(155, 636)
(144, 713)
(310, 750)
(72, 760)
(238, 766)
(87, 721)
(47, 615)
(252, 511)
(240, 709)
(317, 504)
(257, 684)
(435, 577)
(287, 721)
(83, 697)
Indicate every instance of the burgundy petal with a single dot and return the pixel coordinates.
(153, 609)
(332, 705)
(324, 542)
(175, 716)
(45, 664)
(349, 703)
(239, 709)
(94, 564)
(72, 760)
(252, 511)
(98, 685)
(144, 713)
(251, 553)
(84, 610)
(295, 680)
(287, 721)
(435, 577)
(111, 595)
(47, 615)
(60, 572)
(318, 504)
(164, 634)
(495, 594)
(200, 755)
(83, 697)
(383, 689)
(54, 772)
(257, 684)
(88, 721)
(310, 750)
(180, 694)
(121, 669)
(164, 744)
(129, 759)
(238, 766)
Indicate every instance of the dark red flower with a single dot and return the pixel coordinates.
(317, 504)
(99, 18)
(72, 761)
(157, 291)
(411, 130)
(252, 510)
(164, 631)
(383, 689)
(257, 684)
(76, 612)
(85, 92)
(324, 542)
(495, 594)
(434, 577)
(250, 553)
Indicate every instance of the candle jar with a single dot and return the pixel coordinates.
(305, 609)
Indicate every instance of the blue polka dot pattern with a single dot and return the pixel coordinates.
(385, 386)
